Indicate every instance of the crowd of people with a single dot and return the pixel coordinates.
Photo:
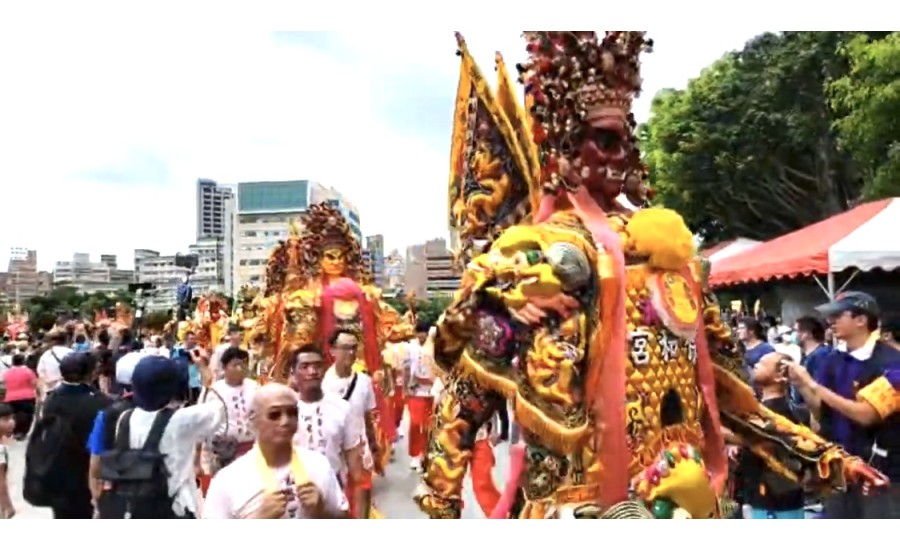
(834, 371)
(120, 425)
(126, 426)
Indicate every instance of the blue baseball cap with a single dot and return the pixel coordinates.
(156, 381)
(851, 300)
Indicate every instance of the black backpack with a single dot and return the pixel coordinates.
(137, 479)
(46, 475)
(111, 417)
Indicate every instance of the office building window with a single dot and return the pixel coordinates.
(272, 196)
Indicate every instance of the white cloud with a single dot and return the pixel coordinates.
(104, 135)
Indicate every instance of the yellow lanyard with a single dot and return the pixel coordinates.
(298, 471)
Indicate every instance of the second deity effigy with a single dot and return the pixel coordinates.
(587, 309)
(315, 284)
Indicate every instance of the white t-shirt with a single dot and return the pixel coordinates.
(239, 487)
(48, 366)
(237, 404)
(187, 428)
(362, 401)
(397, 356)
(329, 427)
(419, 368)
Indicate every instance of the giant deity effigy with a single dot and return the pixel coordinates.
(316, 283)
(588, 309)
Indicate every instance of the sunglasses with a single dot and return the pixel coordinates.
(275, 415)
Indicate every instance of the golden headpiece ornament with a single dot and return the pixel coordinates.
(324, 227)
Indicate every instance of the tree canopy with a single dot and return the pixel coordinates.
(66, 302)
(749, 148)
(428, 310)
(867, 100)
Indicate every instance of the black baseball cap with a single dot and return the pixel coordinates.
(851, 300)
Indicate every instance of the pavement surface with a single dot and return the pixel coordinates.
(392, 494)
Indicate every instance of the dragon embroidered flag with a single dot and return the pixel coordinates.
(491, 174)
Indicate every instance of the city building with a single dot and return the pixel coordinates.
(88, 277)
(228, 248)
(375, 249)
(209, 276)
(211, 211)
(262, 216)
(415, 275)
(442, 274)
(23, 281)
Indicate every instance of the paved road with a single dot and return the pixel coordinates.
(392, 494)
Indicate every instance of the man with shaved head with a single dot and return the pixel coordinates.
(275, 480)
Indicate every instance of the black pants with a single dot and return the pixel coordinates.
(76, 507)
(503, 413)
(879, 504)
(23, 414)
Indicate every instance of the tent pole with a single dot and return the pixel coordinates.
(830, 285)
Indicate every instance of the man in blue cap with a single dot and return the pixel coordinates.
(853, 399)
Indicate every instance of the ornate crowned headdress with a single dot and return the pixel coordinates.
(576, 129)
(324, 227)
(579, 90)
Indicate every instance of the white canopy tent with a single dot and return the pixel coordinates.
(873, 245)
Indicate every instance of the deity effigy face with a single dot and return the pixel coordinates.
(600, 158)
(582, 86)
(334, 262)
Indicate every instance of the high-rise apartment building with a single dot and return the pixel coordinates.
(262, 217)
(415, 275)
(211, 212)
(442, 274)
(22, 280)
(375, 248)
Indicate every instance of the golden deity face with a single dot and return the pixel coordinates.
(334, 262)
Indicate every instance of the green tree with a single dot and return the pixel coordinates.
(867, 100)
(748, 148)
(45, 311)
(397, 303)
(428, 310)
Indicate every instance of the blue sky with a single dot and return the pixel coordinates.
(104, 135)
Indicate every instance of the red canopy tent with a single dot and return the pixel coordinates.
(801, 253)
